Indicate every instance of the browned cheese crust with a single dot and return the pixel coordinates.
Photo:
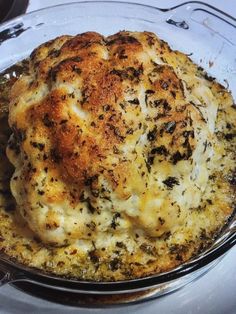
(124, 157)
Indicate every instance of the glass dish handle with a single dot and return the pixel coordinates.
(5, 277)
(9, 276)
(215, 20)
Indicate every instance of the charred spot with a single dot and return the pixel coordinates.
(148, 249)
(205, 144)
(54, 53)
(151, 136)
(45, 157)
(149, 162)
(63, 121)
(150, 40)
(130, 131)
(170, 182)
(121, 245)
(164, 85)
(94, 257)
(47, 121)
(228, 126)
(161, 220)
(149, 92)
(116, 150)
(208, 77)
(232, 178)
(82, 197)
(39, 146)
(63, 97)
(122, 54)
(134, 101)
(177, 156)
(73, 252)
(199, 68)
(91, 225)
(122, 40)
(90, 180)
(119, 73)
(60, 263)
(14, 145)
(114, 222)
(116, 131)
(209, 201)
(112, 117)
(75, 59)
(91, 208)
(86, 200)
(212, 177)
(76, 69)
(230, 136)
(72, 95)
(28, 247)
(203, 235)
(173, 93)
(178, 249)
(166, 106)
(40, 192)
(187, 134)
(160, 150)
(162, 103)
(159, 68)
(158, 102)
(188, 147)
(106, 108)
(52, 74)
(170, 127)
(68, 60)
(95, 192)
(55, 155)
(50, 226)
(137, 72)
(129, 73)
(20, 134)
(166, 235)
(114, 264)
(157, 117)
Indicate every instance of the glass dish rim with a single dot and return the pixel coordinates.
(186, 268)
(137, 4)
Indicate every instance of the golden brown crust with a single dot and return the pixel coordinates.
(116, 140)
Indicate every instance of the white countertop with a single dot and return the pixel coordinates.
(214, 293)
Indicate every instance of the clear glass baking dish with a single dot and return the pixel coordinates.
(195, 28)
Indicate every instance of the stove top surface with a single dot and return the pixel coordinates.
(12, 8)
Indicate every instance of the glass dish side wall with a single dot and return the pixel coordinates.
(204, 33)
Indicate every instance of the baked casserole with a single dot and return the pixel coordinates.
(124, 158)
